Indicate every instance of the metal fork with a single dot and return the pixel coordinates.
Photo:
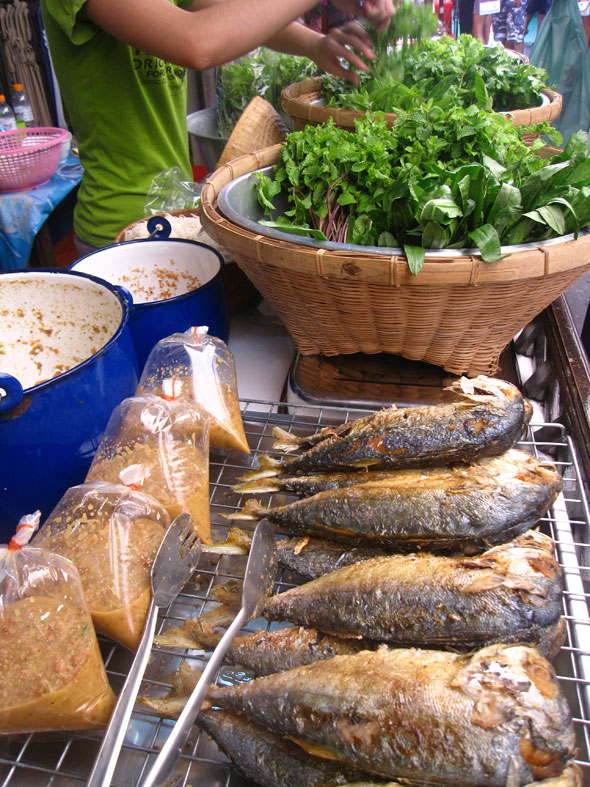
(173, 566)
(258, 582)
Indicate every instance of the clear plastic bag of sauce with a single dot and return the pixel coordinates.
(201, 368)
(111, 533)
(161, 448)
(52, 676)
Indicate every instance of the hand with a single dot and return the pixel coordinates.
(378, 12)
(343, 43)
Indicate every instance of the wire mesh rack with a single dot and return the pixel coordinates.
(62, 760)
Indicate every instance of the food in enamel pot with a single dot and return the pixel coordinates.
(51, 324)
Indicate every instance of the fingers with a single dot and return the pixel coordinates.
(334, 51)
(378, 12)
(353, 35)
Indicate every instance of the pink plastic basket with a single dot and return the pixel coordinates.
(29, 156)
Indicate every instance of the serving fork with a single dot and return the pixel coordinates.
(173, 566)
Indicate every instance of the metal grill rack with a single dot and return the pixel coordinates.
(63, 760)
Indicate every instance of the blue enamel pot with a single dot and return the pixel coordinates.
(67, 360)
(174, 283)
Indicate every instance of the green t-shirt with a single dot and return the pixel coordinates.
(128, 111)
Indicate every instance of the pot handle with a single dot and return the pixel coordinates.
(125, 295)
(159, 228)
(11, 392)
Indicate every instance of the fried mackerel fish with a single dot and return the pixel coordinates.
(259, 754)
(461, 508)
(273, 760)
(488, 719)
(479, 424)
(264, 652)
(509, 594)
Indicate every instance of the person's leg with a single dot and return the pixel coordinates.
(82, 247)
(466, 16)
(499, 22)
(514, 30)
(477, 21)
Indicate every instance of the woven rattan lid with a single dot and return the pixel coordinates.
(259, 126)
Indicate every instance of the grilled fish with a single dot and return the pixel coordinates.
(311, 557)
(511, 593)
(480, 424)
(447, 509)
(269, 759)
(571, 777)
(314, 557)
(488, 719)
(269, 478)
(264, 652)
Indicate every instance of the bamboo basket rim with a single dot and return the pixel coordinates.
(297, 98)
(531, 262)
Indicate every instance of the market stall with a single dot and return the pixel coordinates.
(546, 362)
(489, 410)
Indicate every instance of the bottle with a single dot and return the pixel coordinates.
(22, 107)
(7, 119)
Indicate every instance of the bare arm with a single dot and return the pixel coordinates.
(326, 51)
(213, 31)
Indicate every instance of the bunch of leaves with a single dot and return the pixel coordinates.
(445, 70)
(263, 73)
(462, 178)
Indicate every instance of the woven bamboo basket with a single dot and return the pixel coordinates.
(458, 313)
(300, 101)
(259, 126)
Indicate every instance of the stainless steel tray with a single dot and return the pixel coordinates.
(60, 760)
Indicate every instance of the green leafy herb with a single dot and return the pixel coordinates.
(445, 70)
(263, 73)
(457, 178)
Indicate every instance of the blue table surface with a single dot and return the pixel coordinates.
(22, 213)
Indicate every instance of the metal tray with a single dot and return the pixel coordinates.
(62, 760)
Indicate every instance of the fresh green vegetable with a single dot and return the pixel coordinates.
(264, 73)
(446, 70)
(458, 178)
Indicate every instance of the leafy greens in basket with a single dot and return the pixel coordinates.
(446, 70)
(461, 178)
(263, 73)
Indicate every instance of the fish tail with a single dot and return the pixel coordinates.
(253, 510)
(258, 486)
(262, 478)
(220, 617)
(285, 441)
(237, 543)
(202, 633)
(268, 468)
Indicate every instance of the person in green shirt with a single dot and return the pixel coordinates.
(122, 70)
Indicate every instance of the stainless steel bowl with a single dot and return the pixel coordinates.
(238, 202)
